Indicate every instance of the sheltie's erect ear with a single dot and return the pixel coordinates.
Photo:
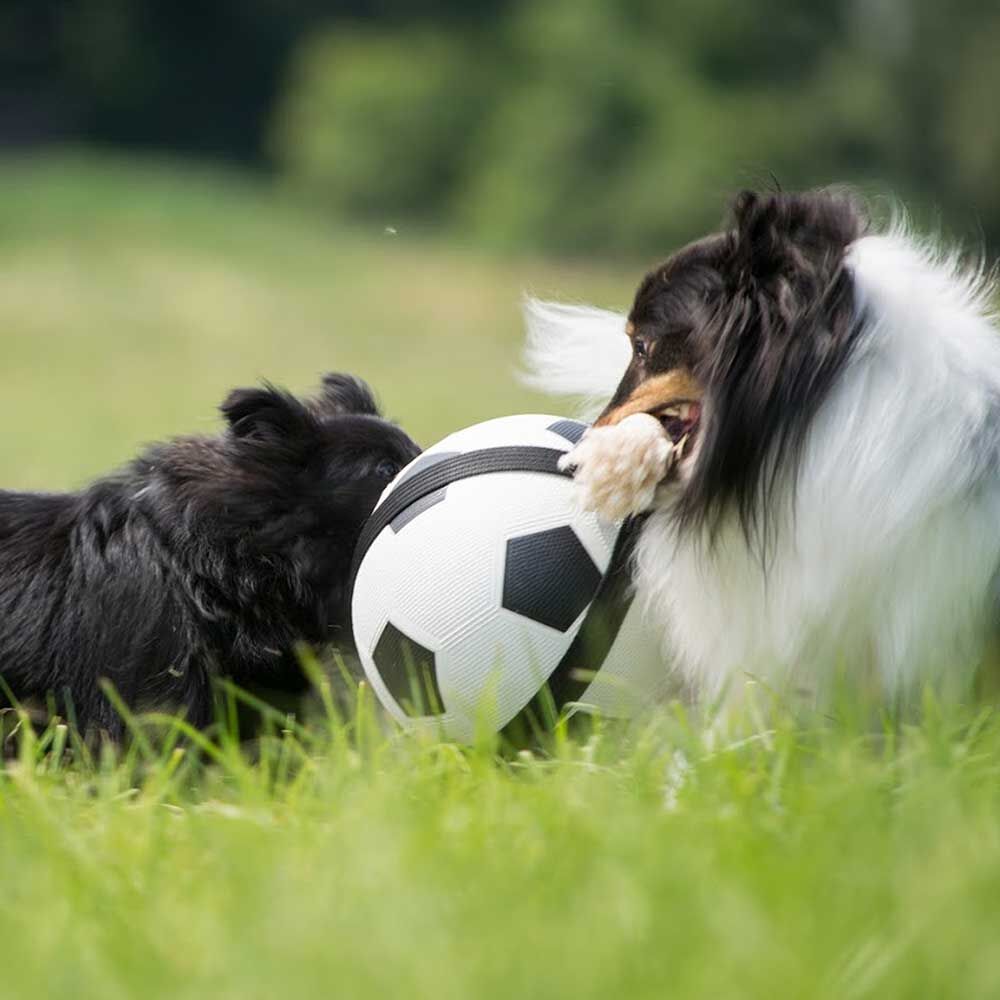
(783, 331)
(576, 351)
(795, 237)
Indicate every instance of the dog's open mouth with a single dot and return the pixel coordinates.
(680, 420)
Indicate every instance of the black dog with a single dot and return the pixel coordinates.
(205, 556)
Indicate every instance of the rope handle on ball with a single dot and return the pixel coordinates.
(513, 458)
(592, 643)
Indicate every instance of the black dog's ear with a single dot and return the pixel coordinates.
(265, 413)
(341, 393)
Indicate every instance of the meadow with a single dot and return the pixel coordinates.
(812, 858)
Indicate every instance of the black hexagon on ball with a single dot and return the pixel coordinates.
(408, 671)
(549, 577)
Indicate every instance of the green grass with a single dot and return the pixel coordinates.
(132, 298)
(818, 859)
(801, 863)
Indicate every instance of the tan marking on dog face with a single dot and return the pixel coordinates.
(630, 328)
(654, 394)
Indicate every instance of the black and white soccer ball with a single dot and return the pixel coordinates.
(479, 583)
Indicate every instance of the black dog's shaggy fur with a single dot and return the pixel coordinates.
(205, 556)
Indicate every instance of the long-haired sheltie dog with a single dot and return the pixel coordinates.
(809, 411)
(204, 557)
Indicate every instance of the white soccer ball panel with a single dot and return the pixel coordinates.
(448, 571)
(490, 676)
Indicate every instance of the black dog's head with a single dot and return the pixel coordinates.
(284, 493)
(335, 448)
(309, 472)
(737, 339)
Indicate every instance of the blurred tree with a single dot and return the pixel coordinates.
(577, 125)
(643, 119)
(622, 125)
(946, 78)
(379, 122)
(195, 76)
(969, 127)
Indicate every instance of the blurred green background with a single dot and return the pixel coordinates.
(195, 195)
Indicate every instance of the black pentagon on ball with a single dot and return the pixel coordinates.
(404, 517)
(422, 462)
(571, 430)
(409, 672)
(549, 577)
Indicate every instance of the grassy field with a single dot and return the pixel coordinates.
(822, 860)
(132, 298)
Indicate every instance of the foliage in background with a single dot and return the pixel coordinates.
(610, 126)
(379, 124)
(583, 126)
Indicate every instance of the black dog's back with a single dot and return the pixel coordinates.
(85, 593)
(204, 556)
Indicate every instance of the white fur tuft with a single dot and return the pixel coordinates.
(575, 351)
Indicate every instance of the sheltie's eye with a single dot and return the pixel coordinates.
(639, 348)
(387, 469)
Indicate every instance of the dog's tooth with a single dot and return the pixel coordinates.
(680, 410)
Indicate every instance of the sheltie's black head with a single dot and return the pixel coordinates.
(737, 340)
